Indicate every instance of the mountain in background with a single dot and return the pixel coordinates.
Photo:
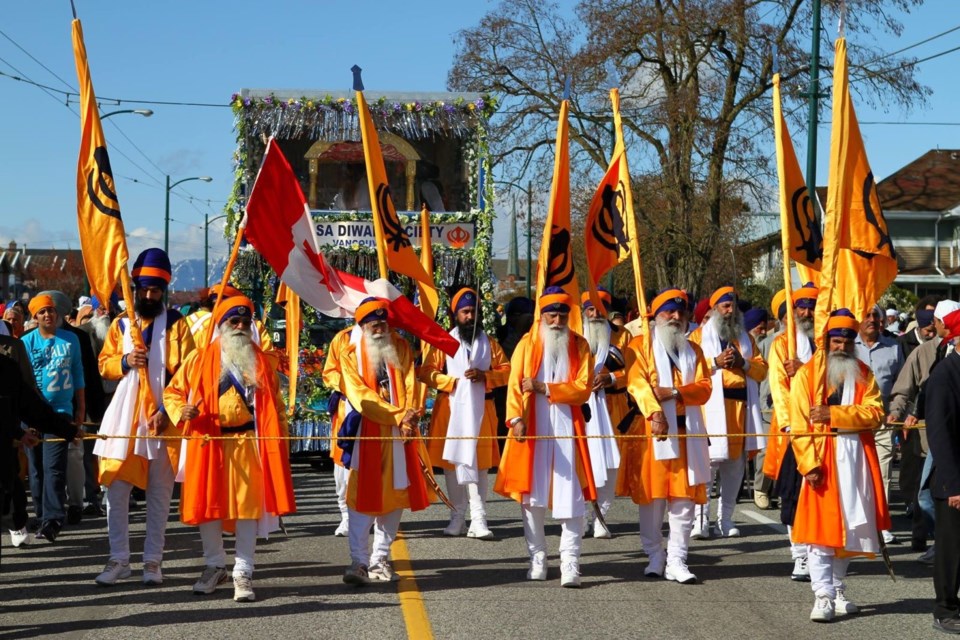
(188, 274)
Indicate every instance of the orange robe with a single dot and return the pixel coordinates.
(736, 411)
(642, 477)
(515, 476)
(778, 440)
(616, 393)
(433, 374)
(179, 345)
(333, 380)
(819, 518)
(239, 477)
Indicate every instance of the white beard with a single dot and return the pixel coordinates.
(380, 350)
(729, 329)
(841, 366)
(101, 325)
(237, 355)
(805, 326)
(672, 338)
(556, 345)
(596, 331)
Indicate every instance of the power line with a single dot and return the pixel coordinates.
(912, 46)
(30, 55)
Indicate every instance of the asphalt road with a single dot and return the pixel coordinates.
(470, 588)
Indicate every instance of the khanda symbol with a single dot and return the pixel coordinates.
(100, 184)
(872, 217)
(806, 227)
(393, 232)
(608, 227)
(559, 261)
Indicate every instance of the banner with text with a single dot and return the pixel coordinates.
(346, 233)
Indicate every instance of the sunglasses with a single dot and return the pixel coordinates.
(237, 321)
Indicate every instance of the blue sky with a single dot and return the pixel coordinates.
(192, 51)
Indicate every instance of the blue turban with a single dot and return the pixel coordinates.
(152, 269)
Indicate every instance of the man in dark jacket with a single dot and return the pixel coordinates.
(924, 330)
(943, 432)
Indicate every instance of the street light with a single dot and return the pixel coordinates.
(206, 246)
(166, 215)
(529, 192)
(146, 113)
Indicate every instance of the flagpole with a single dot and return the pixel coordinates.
(365, 138)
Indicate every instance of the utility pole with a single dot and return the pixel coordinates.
(814, 98)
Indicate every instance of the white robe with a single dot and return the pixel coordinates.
(604, 453)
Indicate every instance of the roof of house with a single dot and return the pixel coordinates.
(929, 183)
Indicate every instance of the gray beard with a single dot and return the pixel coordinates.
(672, 338)
(805, 326)
(237, 355)
(840, 367)
(101, 325)
(380, 350)
(596, 331)
(729, 329)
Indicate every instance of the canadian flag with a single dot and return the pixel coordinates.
(280, 228)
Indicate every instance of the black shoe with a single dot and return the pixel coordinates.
(34, 526)
(947, 625)
(94, 510)
(74, 515)
(918, 544)
(49, 531)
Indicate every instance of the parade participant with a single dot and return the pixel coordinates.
(755, 323)
(670, 381)
(137, 410)
(604, 452)
(385, 475)
(199, 320)
(550, 378)
(842, 504)
(779, 462)
(241, 483)
(464, 408)
(943, 430)
(732, 413)
(58, 370)
(338, 409)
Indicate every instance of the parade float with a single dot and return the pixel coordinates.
(436, 154)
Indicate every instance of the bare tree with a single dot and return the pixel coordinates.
(695, 79)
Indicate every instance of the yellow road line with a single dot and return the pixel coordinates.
(411, 600)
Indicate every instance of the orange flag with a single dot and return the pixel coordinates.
(555, 262)
(292, 314)
(102, 236)
(611, 224)
(859, 261)
(429, 301)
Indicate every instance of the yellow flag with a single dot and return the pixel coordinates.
(394, 250)
(102, 236)
(611, 225)
(429, 300)
(292, 314)
(859, 261)
(555, 262)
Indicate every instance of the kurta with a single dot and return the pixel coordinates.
(642, 477)
(821, 518)
(616, 394)
(779, 381)
(517, 465)
(736, 410)
(179, 344)
(240, 477)
(333, 380)
(372, 488)
(433, 373)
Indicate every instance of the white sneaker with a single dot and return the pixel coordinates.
(822, 609)
(700, 533)
(457, 526)
(243, 588)
(729, 530)
(655, 565)
(356, 574)
(21, 538)
(152, 575)
(114, 570)
(842, 606)
(538, 566)
(210, 579)
(600, 531)
(343, 529)
(801, 572)
(382, 572)
(570, 574)
(889, 538)
(478, 529)
(678, 572)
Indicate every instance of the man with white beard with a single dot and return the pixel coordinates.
(842, 504)
(779, 462)
(240, 483)
(464, 408)
(732, 413)
(604, 452)
(670, 381)
(550, 379)
(379, 382)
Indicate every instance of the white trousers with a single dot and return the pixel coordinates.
(571, 533)
(76, 475)
(680, 513)
(797, 549)
(605, 494)
(826, 571)
(385, 529)
(214, 555)
(341, 475)
(473, 492)
(160, 480)
(731, 479)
